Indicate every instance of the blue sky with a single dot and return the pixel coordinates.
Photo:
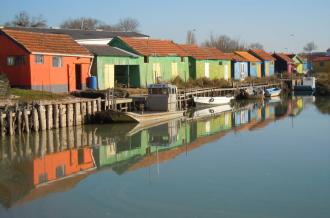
(270, 22)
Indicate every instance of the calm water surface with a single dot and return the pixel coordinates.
(260, 160)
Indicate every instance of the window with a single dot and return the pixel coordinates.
(43, 178)
(15, 60)
(57, 61)
(60, 171)
(11, 61)
(146, 59)
(220, 63)
(39, 59)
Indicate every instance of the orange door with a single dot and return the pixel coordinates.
(259, 71)
(71, 79)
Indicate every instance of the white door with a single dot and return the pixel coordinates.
(156, 72)
(207, 70)
(226, 72)
(109, 76)
(174, 70)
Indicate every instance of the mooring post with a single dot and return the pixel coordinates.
(42, 120)
(68, 115)
(55, 116)
(2, 124)
(10, 122)
(49, 117)
(19, 121)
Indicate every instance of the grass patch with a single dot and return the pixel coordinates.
(33, 95)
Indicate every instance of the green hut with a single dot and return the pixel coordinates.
(207, 63)
(157, 60)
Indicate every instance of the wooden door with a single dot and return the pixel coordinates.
(259, 70)
(174, 70)
(109, 76)
(71, 79)
(207, 70)
(156, 72)
(226, 73)
(266, 69)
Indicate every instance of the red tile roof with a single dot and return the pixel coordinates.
(196, 52)
(284, 57)
(235, 57)
(46, 43)
(324, 58)
(154, 47)
(261, 54)
(246, 55)
(217, 53)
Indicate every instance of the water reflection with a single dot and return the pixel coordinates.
(35, 165)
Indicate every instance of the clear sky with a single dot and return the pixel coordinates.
(281, 25)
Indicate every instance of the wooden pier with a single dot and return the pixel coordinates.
(40, 116)
(186, 96)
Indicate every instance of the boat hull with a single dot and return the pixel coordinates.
(202, 101)
(272, 92)
(148, 117)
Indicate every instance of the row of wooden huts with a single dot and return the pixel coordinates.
(61, 60)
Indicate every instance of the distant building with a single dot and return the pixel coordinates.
(43, 61)
(328, 52)
(268, 62)
(321, 64)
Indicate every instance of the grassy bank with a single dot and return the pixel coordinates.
(25, 95)
(323, 84)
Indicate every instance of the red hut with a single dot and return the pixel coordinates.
(40, 61)
(283, 63)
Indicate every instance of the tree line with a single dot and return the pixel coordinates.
(23, 19)
(222, 42)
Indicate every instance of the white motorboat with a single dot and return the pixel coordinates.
(272, 92)
(200, 101)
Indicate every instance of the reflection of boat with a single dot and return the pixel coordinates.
(211, 111)
(146, 117)
(213, 100)
(272, 92)
(251, 93)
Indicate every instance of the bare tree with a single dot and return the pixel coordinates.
(225, 43)
(191, 37)
(23, 19)
(83, 23)
(309, 47)
(128, 24)
(256, 45)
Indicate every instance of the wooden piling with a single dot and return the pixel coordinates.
(2, 124)
(49, 117)
(42, 117)
(26, 125)
(10, 125)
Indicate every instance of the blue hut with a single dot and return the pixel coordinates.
(239, 67)
(268, 62)
(253, 62)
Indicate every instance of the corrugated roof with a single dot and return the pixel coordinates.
(284, 57)
(81, 34)
(105, 50)
(154, 47)
(261, 54)
(46, 43)
(247, 56)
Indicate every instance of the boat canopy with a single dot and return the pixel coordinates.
(161, 89)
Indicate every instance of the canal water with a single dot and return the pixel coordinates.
(264, 159)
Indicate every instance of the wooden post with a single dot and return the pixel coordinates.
(49, 117)
(19, 121)
(83, 112)
(99, 105)
(26, 121)
(93, 107)
(42, 118)
(68, 115)
(2, 125)
(10, 123)
(55, 116)
(76, 114)
(35, 119)
(62, 120)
